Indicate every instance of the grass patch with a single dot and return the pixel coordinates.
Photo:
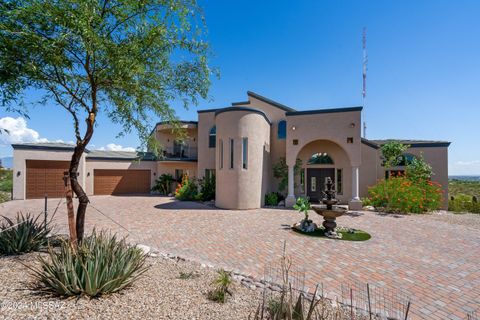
(357, 235)
(459, 187)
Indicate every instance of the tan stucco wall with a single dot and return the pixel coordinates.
(335, 127)
(340, 159)
(206, 155)
(369, 169)
(91, 165)
(19, 165)
(169, 167)
(240, 188)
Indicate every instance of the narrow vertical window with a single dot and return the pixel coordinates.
(339, 181)
(212, 137)
(220, 156)
(282, 130)
(231, 153)
(245, 153)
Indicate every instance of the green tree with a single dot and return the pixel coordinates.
(126, 58)
(418, 170)
(392, 152)
(280, 171)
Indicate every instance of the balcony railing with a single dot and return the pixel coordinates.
(179, 153)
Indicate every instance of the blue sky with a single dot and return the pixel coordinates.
(423, 71)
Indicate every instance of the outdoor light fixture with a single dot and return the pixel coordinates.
(293, 128)
(352, 125)
(88, 174)
(18, 173)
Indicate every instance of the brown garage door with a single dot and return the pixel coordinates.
(121, 181)
(45, 177)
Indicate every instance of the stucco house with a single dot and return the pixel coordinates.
(239, 144)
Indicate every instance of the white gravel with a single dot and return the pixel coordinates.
(159, 294)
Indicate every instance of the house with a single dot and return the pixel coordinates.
(239, 144)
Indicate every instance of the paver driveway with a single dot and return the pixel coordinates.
(436, 262)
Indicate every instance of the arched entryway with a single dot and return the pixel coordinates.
(320, 159)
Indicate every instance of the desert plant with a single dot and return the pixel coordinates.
(464, 203)
(401, 195)
(101, 264)
(221, 284)
(303, 206)
(163, 183)
(207, 188)
(25, 234)
(187, 190)
(271, 199)
(187, 275)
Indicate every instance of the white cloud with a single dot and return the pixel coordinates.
(116, 147)
(468, 163)
(464, 167)
(16, 131)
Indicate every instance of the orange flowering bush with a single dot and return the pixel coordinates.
(187, 190)
(403, 195)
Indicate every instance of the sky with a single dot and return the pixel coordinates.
(422, 82)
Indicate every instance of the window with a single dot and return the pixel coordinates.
(212, 137)
(350, 140)
(220, 160)
(320, 158)
(209, 173)
(394, 173)
(302, 179)
(313, 184)
(244, 153)
(231, 153)
(339, 186)
(282, 130)
(178, 174)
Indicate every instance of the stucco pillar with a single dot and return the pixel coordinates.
(290, 200)
(355, 203)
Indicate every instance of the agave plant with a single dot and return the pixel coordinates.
(25, 234)
(222, 284)
(101, 264)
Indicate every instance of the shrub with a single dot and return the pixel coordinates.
(280, 171)
(400, 194)
(100, 265)
(187, 190)
(163, 184)
(222, 284)
(463, 203)
(303, 206)
(23, 235)
(207, 188)
(418, 170)
(271, 199)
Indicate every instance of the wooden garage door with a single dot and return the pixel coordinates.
(45, 177)
(121, 181)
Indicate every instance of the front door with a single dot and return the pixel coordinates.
(316, 182)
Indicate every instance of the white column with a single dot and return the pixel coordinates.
(290, 200)
(355, 183)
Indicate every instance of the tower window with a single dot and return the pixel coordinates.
(282, 130)
(212, 137)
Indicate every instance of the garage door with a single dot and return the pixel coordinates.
(45, 177)
(121, 181)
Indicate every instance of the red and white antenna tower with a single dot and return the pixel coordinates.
(364, 76)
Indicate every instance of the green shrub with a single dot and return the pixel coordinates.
(303, 206)
(221, 289)
(6, 180)
(163, 184)
(100, 265)
(271, 199)
(23, 235)
(207, 188)
(187, 190)
(463, 203)
(400, 194)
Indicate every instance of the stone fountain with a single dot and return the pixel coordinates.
(329, 210)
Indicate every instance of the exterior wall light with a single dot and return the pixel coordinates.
(352, 125)
(18, 173)
(88, 174)
(294, 128)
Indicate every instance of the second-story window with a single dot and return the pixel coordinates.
(282, 130)
(212, 137)
(220, 154)
(231, 153)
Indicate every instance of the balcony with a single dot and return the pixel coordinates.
(179, 153)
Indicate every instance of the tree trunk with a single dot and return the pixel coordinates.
(73, 174)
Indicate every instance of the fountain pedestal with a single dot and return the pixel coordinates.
(329, 211)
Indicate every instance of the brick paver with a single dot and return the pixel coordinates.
(436, 263)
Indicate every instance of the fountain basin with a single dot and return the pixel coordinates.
(329, 218)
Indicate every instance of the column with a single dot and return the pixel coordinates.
(290, 200)
(355, 203)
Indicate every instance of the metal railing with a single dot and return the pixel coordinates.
(179, 152)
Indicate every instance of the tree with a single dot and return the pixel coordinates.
(280, 171)
(392, 152)
(419, 170)
(126, 58)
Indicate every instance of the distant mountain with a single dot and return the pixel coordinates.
(465, 178)
(7, 162)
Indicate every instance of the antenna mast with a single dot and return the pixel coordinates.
(364, 76)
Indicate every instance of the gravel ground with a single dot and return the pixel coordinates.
(471, 220)
(159, 294)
